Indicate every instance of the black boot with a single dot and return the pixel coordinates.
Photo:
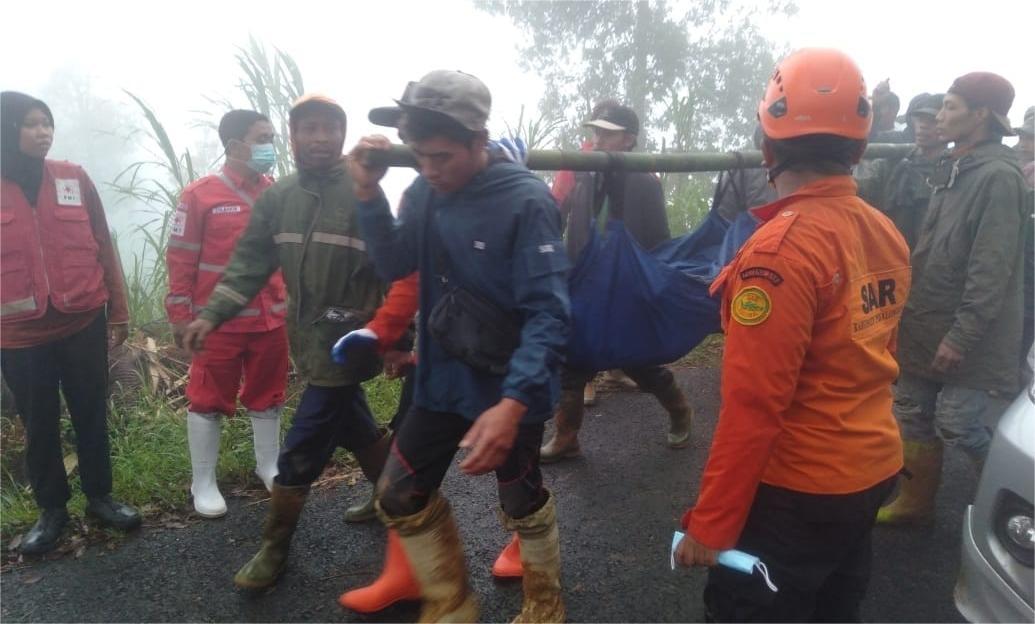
(113, 514)
(44, 535)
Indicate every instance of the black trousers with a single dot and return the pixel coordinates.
(652, 379)
(424, 448)
(818, 549)
(76, 367)
(325, 419)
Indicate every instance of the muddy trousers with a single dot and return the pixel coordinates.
(326, 418)
(818, 549)
(423, 451)
(76, 367)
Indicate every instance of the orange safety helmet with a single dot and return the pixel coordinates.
(816, 91)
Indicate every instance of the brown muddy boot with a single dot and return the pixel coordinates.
(567, 421)
(371, 460)
(541, 560)
(266, 566)
(432, 544)
(914, 505)
(680, 415)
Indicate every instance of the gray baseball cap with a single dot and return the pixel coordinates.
(457, 95)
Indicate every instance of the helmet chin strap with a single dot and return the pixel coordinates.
(775, 170)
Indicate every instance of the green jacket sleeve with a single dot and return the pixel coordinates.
(254, 260)
(998, 234)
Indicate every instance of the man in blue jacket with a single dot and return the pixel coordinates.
(485, 236)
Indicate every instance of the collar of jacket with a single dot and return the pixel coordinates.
(831, 186)
(321, 177)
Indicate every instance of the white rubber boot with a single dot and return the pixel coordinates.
(266, 436)
(203, 439)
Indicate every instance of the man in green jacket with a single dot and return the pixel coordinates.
(960, 337)
(306, 225)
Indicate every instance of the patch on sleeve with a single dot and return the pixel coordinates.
(762, 273)
(751, 306)
(179, 223)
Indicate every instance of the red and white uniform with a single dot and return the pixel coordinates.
(60, 267)
(212, 214)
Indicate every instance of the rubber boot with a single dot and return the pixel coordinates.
(914, 505)
(566, 422)
(362, 512)
(395, 584)
(541, 558)
(589, 393)
(203, 431)
(680, 415)
(432, 543)
(371, 461)
(266, 439)
(266, 566)
(617, 378)
(508, 564)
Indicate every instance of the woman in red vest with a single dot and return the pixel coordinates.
(62, 302)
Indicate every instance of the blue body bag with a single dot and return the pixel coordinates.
(632, 308)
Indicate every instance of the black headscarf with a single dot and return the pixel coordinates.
(16, 166)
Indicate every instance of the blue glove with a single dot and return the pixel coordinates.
(512, 148)
(360, 339)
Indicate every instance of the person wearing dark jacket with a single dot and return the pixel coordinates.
(906, 193)
(62, 303)
(306, 226)
(492, 327)
(638, 201)
(960, 339)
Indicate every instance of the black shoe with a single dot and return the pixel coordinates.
(44, 535)
(113, 514)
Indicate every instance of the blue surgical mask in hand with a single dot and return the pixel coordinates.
(263, 157)
(732, 559)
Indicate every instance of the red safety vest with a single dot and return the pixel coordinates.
(61, 265)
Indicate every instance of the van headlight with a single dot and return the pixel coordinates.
(1015, 528)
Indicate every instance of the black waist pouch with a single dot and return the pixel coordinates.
(474, 330)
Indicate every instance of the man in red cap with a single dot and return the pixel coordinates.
(960, 340)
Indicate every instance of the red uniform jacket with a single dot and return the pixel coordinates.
(212, 215)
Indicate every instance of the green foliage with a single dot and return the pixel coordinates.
(689, 199)
(693, 71)
(270, 83)
(150, 457)
(538, 133)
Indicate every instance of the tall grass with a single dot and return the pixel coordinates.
(150, 458)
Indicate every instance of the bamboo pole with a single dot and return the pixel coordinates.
(556, 160)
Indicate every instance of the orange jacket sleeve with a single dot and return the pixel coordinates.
(108, 256)
(181, 258)
(397, 312)
(768, 322)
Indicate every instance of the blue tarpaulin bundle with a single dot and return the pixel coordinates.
(633, 308)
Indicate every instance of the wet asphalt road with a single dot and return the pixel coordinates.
(618, 506)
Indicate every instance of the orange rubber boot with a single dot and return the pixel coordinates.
(396, 582)
(508, 564)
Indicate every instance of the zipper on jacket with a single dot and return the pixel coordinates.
(305, 248)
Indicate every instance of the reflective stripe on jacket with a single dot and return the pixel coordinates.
(212, 214)
(58, 252)
(810, 307)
